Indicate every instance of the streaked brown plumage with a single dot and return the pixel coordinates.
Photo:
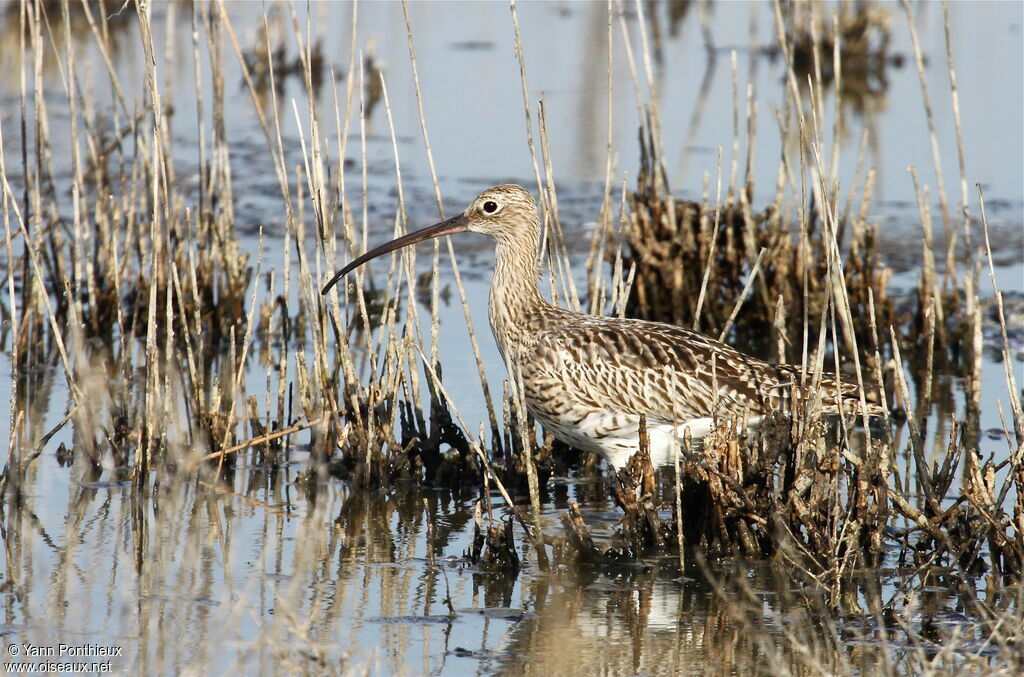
(588, 379)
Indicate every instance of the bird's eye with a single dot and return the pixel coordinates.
(490, 207)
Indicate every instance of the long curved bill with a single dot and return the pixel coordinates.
(456, 224)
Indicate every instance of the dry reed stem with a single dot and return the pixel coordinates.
(262, 439)
(545, 208)
(929, 117)
(1011, 379)
(955, 104)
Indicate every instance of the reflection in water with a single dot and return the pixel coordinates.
(862, 37)
(203, 577)
(268, 58)
(114, 21)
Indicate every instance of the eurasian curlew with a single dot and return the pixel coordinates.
(588, 379)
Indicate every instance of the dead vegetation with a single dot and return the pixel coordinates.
(130, 288)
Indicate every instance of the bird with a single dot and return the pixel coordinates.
(594, 381)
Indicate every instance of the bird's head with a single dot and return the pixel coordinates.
(501, 212)
(505, 212)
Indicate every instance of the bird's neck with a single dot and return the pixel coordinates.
(515, 298)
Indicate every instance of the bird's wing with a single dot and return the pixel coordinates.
(636, 367)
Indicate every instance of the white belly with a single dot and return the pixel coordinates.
(616, 437)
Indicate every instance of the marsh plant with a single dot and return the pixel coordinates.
(134, 290)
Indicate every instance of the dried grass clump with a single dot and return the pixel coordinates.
(689, 255)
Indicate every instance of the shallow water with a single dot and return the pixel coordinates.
(273, 576)
(267, 580)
